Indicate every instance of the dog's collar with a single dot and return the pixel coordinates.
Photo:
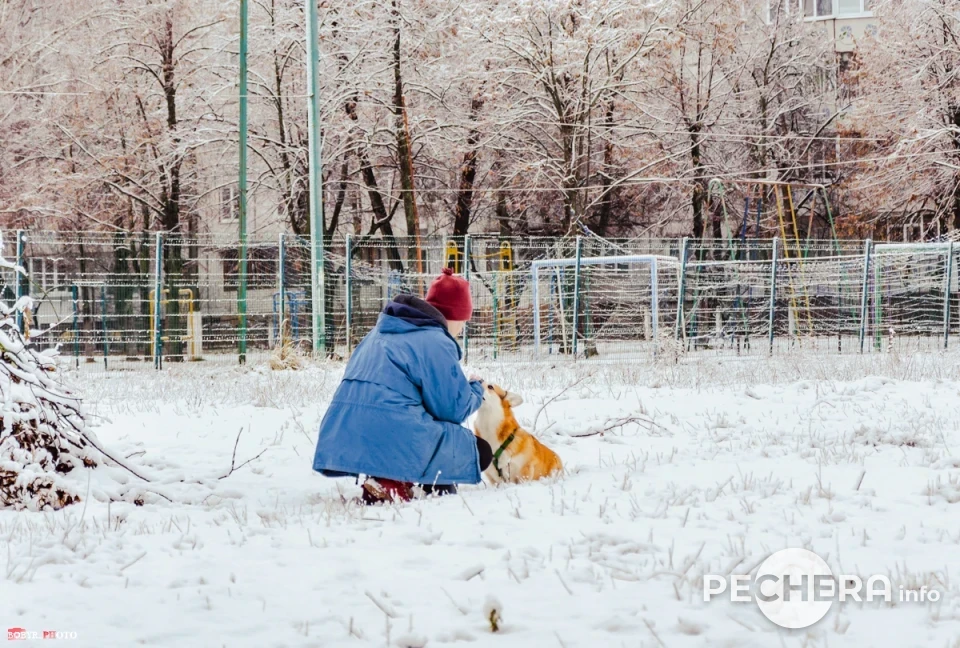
(503, 446)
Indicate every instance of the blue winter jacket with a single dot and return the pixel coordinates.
(398, 411)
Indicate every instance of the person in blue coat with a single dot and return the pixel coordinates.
(396, 416)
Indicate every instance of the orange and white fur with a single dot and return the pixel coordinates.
(524, 458)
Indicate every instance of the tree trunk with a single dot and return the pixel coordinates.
(699, 197)
(605, 210)
(468, 174)
(404, 155)
(381, 219)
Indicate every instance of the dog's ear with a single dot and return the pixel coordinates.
(513, 399)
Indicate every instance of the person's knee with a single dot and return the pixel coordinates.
(485, 452)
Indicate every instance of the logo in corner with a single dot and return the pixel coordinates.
(16, 634)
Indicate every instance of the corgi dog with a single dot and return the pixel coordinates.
(517, 455)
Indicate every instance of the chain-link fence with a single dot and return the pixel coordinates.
(121, 301)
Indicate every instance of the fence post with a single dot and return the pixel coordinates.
(877, 303)
(349, 306)
(868, 248)
(103, 317)
(576, 295)
(466, 275)
(18, 276)
(654, 305)
(75, 294)
(281, 287)
(946, 297)
(157, 301)
(242, 186)
(683, 285)
(318, 280)
(773, 290)
(536, 309)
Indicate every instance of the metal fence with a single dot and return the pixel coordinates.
(122, 301)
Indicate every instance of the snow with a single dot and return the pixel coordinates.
(708, 467)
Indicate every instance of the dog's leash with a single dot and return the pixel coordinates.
(496, 455)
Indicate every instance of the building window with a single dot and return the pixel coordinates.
(818, 9)
(853, 7)
(229, 204)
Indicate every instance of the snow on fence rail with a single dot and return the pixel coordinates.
(122, 301)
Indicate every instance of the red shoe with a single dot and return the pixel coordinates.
(378, 491)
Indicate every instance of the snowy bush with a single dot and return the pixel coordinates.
(42, 434)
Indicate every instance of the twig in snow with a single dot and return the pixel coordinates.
(613, 424)
(356, 633)
(385, 607)
(233, 458)
(654, 633)
(134, 561)
(117, 461)
(462, 499)
(558, 395)
(562, 582)
(736, 620)
(470, 572)
(462, 611)
(860, 481)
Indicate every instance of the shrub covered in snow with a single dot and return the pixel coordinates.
(42, 432)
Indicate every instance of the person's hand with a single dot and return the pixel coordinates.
(474, 378)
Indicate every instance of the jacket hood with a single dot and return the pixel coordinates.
(406, 313)
(415, 311)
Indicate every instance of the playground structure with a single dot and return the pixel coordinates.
(730, 285)
(501, 284)
(100, 298)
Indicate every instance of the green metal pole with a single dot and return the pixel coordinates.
(877, 298)
(576, 294)
(946, 297)
(349, 271)
(157, 303)
(317, 278)
(466, 275)
(76, 324)
(864, 294)
(242, 287)
(773, 290)
(281, 286)
(496, 314)
(684, 248)
(18, 276)
(103, 319)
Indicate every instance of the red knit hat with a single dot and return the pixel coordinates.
(450, 295)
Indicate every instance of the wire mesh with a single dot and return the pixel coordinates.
(912, 295)
(96, 295)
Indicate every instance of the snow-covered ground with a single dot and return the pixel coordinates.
(703, 467)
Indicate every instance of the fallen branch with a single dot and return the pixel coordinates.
(233, 457)
(613, 424)
(558, 395)
(130, 470)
